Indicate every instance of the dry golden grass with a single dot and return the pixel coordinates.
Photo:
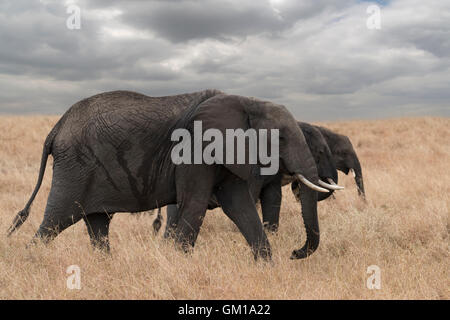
(403, 228)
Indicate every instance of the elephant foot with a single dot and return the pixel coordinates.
(184, 246)
(298, 254)
(301, 254)
(271, 227)
(263, 253)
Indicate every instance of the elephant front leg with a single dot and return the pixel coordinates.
(239, 206)
(194, 188)
(270, 205)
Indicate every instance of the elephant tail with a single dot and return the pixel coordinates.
(22, 215)
(157, 222)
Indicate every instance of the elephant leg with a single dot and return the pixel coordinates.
(194, 188)
(239, 206)
(61, 211)
(53, 224)
(98, 228)
(172, 219)
(270, 205)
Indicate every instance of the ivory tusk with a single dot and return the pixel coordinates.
(330, 186)
(353, 173)
(331, 181)
(309, 184)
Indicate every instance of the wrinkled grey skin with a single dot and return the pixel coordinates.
(112, 154)
(344, 156)
(269, 193)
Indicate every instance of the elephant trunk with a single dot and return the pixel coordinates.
(308, 200)
(359, 178)
(300, 163)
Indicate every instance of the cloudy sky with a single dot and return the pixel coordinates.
(318, 57)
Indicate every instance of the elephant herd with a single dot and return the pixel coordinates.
(113, 153)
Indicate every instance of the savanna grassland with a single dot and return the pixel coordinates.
(403, 228)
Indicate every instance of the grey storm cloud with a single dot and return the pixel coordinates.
(180, 21)
(315, 56)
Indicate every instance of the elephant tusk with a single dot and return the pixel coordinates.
(310, 184)
(353, 172)
(330, 186)
(331, 181)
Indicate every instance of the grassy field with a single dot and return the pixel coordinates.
(403, 228)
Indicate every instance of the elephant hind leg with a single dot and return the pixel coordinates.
(63, 209)
(98, 228)
(238, 205)
(53, 224)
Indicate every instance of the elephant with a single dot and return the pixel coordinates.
(269, 192)
(113, 153)
(344, 156)
(74, 155)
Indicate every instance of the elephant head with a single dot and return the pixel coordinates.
(224, 112)
(344, 156)
(323, 157)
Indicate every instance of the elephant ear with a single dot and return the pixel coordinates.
(224, 112)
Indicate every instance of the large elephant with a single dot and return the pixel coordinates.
(344, 156)
(112, 153)
(269, 190)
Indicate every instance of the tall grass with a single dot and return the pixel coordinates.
(403, 228)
